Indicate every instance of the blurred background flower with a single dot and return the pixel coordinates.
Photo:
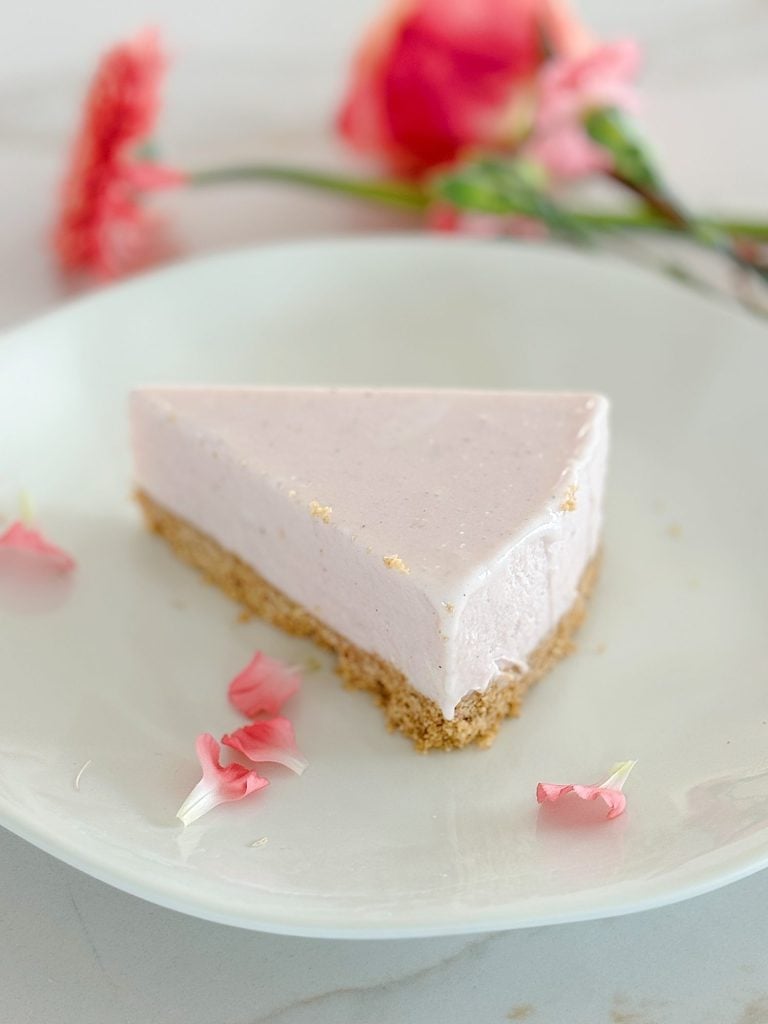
(433, 80)
(478, 114)
(102, 226)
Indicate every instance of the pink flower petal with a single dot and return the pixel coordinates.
(570, 87)
(263, 686)
(609, 791)
(219, 784)
(567, 153)
(272, 740)
(604, 77)
(19, 537)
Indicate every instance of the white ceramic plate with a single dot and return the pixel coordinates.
(375, 840)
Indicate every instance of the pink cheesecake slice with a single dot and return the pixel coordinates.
(442, 543)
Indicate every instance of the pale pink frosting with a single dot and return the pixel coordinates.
(316, 488)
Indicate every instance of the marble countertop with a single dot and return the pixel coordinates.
(77, 952)
(259, 80)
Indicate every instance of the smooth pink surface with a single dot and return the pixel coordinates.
(466, 488)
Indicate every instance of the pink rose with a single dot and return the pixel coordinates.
(435, 78)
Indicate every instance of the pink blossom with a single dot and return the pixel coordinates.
(264, 685)
(271, 740)
(101, 226)
(219, 783)
(609, 791)
(571, 87)
(434, 79)
(22, 538)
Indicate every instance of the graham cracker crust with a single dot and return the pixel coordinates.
(478, 716)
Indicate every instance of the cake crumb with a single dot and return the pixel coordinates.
(569, 501)
(448, 607)
(521, 1012)
(320, 511)
(396, 562)
(675, 531)
(245, 615)
(291, 493)
(312, 664)
(600, 648)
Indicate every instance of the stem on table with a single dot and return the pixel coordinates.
(388, 192)
(656, 215)
(647, 220)
(706, 232)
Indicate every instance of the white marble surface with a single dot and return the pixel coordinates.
(258, 78)
(76, 952)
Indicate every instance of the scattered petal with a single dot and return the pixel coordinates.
(609, 791)
(263, 686)
(271, 740)
(20, 537)
(219, 783)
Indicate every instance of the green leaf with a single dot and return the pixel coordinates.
(507, 187)
(614, 132)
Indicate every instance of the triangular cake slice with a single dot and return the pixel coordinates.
(441, 542)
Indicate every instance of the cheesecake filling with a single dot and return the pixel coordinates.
(444, 531)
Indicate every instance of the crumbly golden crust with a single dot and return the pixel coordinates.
(477, 717)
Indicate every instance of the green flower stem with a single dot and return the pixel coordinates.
(739, 228)
(706, 233)
(388, 192)
(415, 197)
(647, 220)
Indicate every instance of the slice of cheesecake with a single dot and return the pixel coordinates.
(442, 543)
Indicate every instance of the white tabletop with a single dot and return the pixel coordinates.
(258, 79)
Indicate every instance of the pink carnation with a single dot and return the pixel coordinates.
(101, 225)
(571, 87)
(434, 79)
